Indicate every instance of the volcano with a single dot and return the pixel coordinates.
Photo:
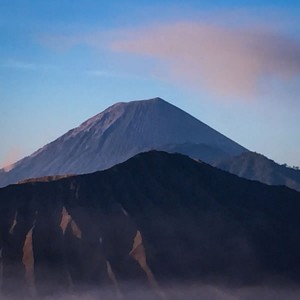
(120, 132)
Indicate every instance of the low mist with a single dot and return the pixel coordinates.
(175, 292)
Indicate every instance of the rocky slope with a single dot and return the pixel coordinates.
(255, 166)
(156, 218)
(118, 133)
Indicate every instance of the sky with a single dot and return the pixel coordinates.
(235, 65)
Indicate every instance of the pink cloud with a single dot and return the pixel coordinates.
(11, 157)
(225, 61)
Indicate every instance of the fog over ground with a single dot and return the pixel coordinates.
(175, 292)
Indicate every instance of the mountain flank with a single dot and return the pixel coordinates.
(154, 219)
(126, 129)
(255, 166)
(118, 133)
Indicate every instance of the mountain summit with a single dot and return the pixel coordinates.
(120, 132)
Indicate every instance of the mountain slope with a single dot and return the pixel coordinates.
(212, 226)
(118, 133)
(255, 166)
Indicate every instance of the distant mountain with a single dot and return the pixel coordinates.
(157, 218)
(120, 132)
(255, 166)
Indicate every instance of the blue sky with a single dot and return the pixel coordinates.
(235, 65)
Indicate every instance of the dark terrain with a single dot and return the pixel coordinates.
(155, 220)
(255, 166)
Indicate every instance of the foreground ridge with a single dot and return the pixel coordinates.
(153, 219)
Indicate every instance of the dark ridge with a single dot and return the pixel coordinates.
(196, 223)
(255, 166)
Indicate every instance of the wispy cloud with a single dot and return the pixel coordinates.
(63, 42)
(229, 54)
(30, 66)
(112, 74)
(226, 61)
